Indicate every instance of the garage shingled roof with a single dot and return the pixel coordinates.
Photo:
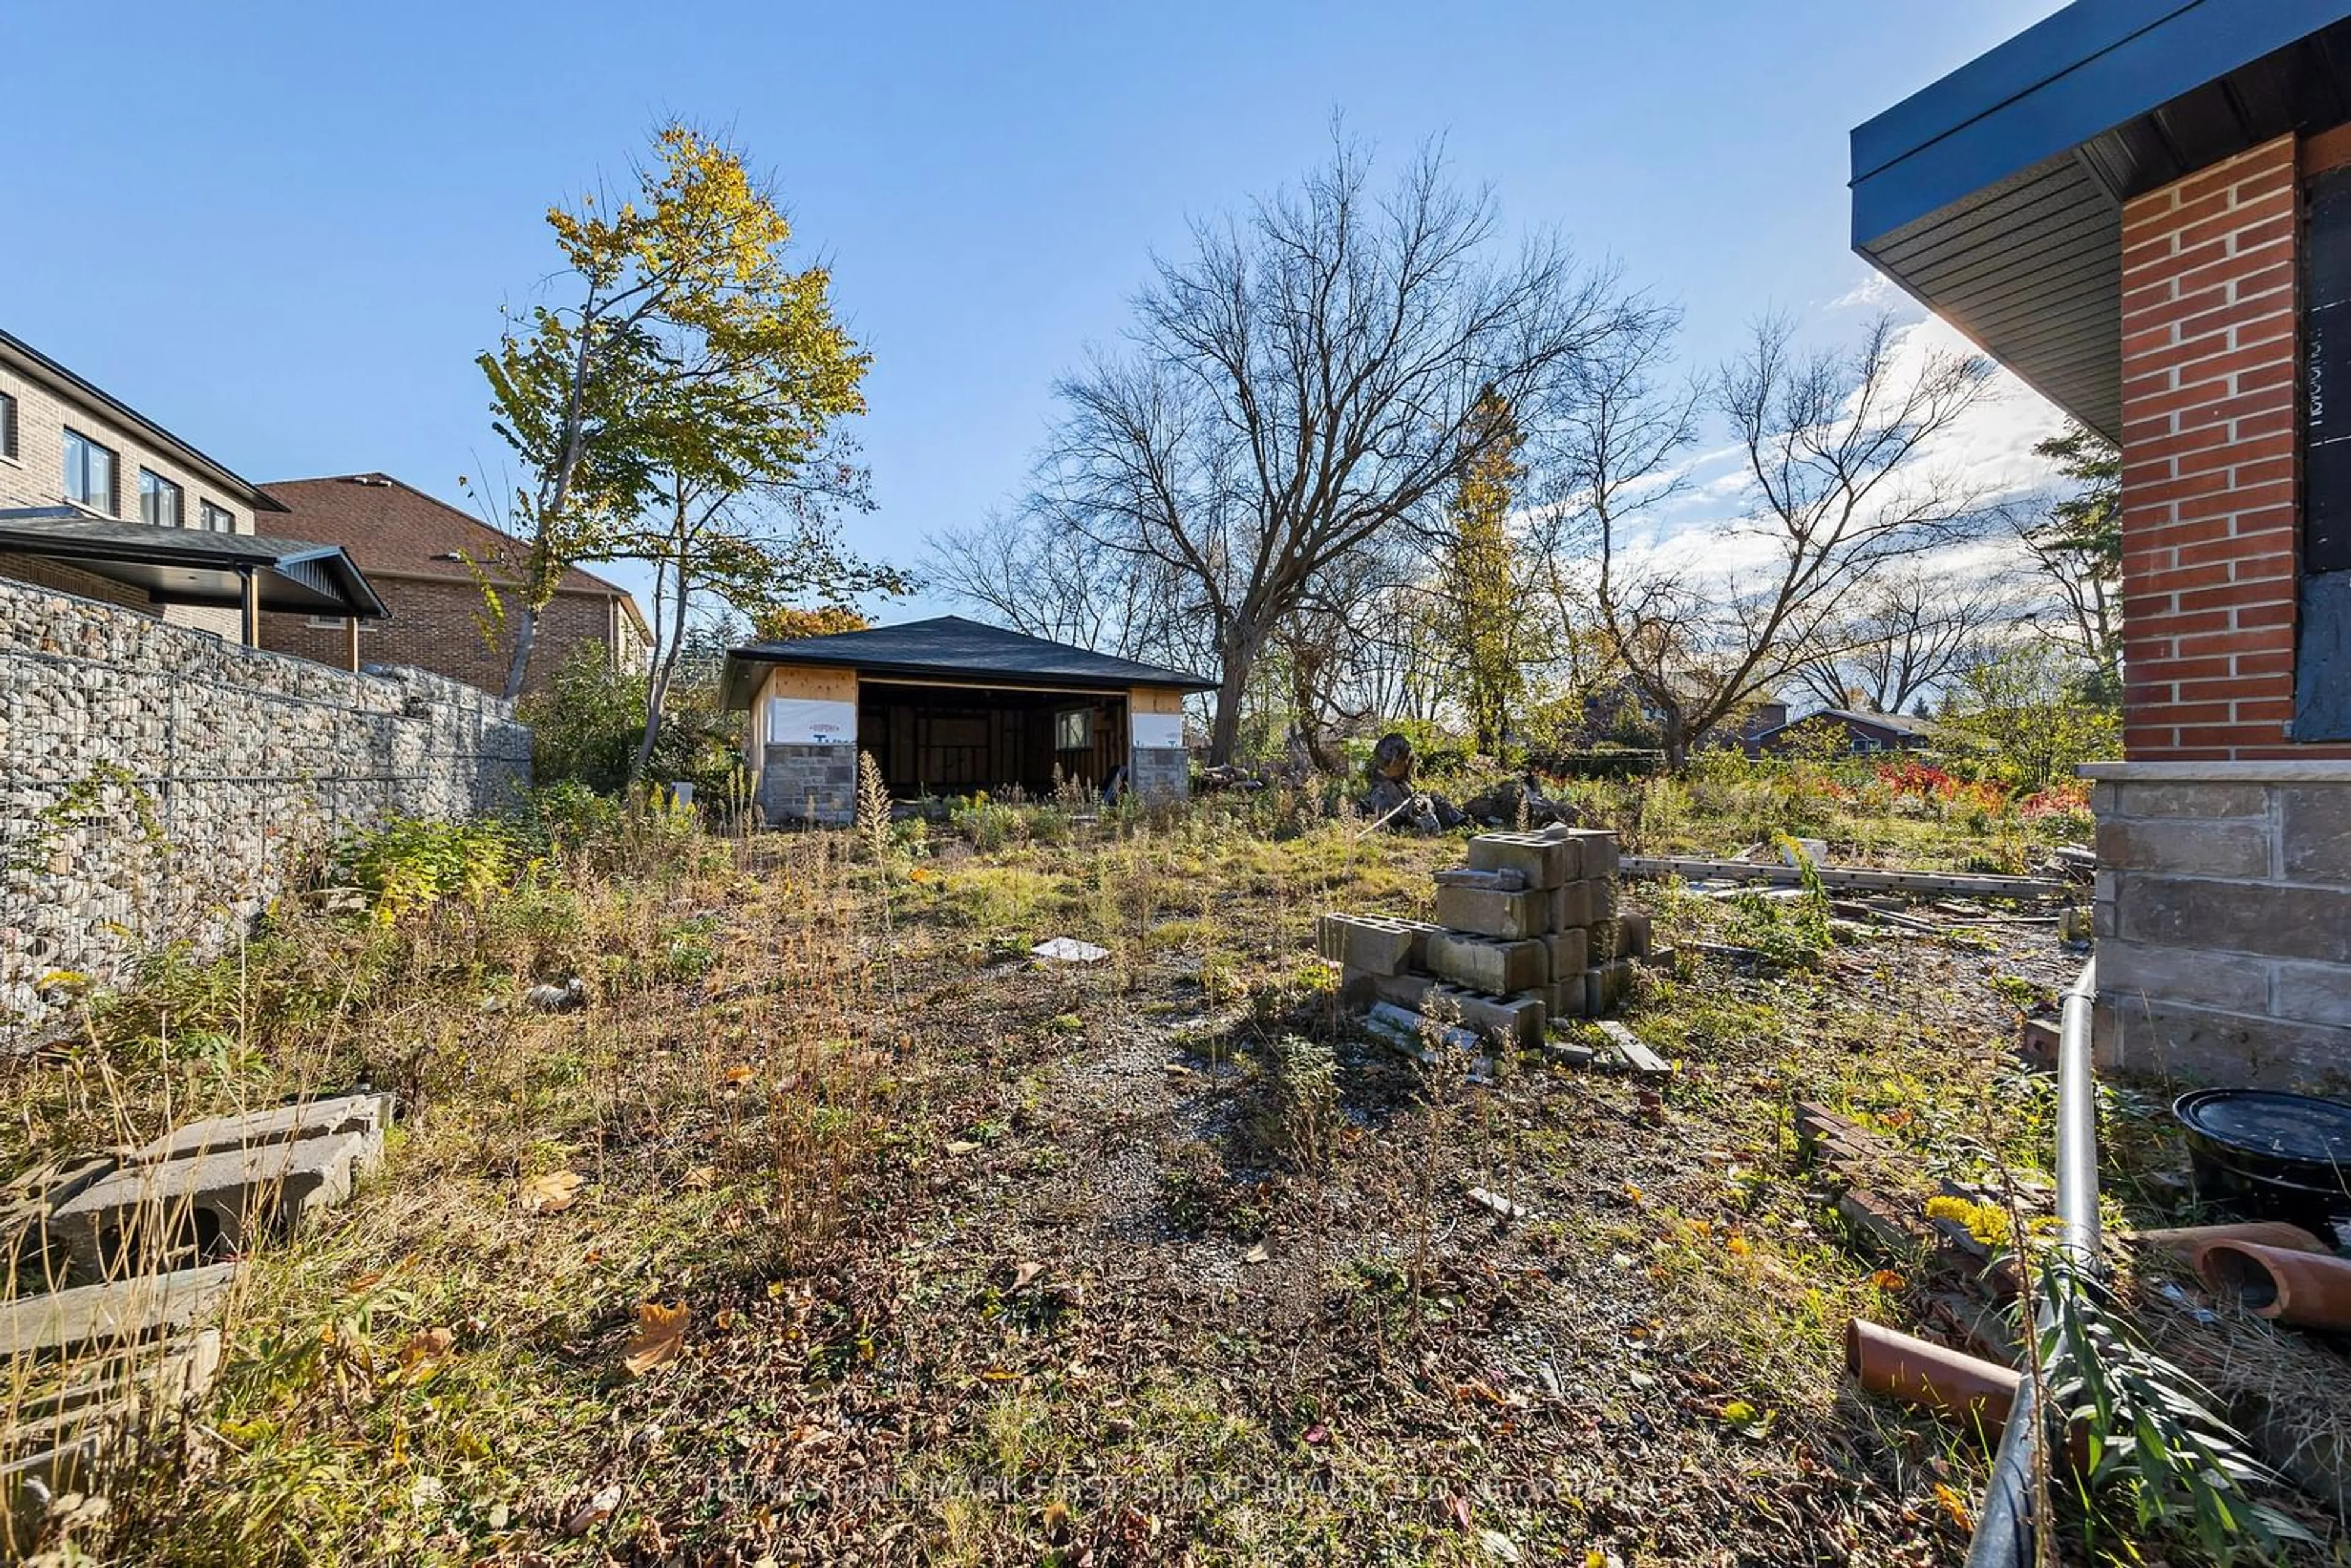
(950, 648)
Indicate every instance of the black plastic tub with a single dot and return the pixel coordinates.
(2271, 1155)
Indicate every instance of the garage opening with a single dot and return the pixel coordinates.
(946, 739)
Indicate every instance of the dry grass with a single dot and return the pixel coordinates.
(985, 1262)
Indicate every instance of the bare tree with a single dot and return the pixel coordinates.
(1915, 630)
(1840, 486)
(1020, 573)
(1305, 379)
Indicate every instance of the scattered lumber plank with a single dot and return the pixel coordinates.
(1637, 1057)
(1980, 886)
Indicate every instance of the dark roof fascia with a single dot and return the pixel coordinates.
(42, 365)
(966, 675)
(251, 552)
(2050, 90)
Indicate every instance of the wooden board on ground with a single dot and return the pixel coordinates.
(1637, 1057)
(1846, 876)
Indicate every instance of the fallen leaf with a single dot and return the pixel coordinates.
(736, 1076)
(1887, 1279)
(1318, 1433)
(660, 1337)
(594, 1511)
(1737, 1247)
(702, 1178)
(726, 1318)
(552, 1192)
(1256, 1254)
(1458, 1506)
(1025, 1276)
(426, 1345)
(1955, 1505)
(961, 1146)
(1498, 1546)
(358, 1283)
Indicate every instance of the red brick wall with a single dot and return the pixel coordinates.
(2211, 540)
(436, 626)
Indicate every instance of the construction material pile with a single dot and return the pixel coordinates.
(1528, 933)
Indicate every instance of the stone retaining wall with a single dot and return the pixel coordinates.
(2224, 920)
(163, 785)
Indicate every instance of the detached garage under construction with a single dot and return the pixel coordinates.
(949, 707)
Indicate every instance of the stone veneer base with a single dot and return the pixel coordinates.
(2224, 920)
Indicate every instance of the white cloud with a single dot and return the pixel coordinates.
(1876, 291)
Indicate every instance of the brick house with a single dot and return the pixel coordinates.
(99, 501)
(1864, 733)
(422, 555)
(2143, 207)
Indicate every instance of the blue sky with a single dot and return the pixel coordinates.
(284, 230)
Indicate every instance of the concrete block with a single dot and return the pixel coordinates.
(2185, 846)
(1359, 988)
(143, 1214)
(2274, 920)
(1569, 951)
(1604, 928)
(1487, 963)
(2314, 826)
(1373, 943)
(1608, 985)
(1494, 881)
(2135, 1035)
(1516, 1019)
(1575, 996)
(2190, 975)
(1634, 936)
(133, 1308)
(2306, 993)
(1570, 906)
(2183, 797)
(1542, 862)
(312, 1119)
(1600, 853)
(1488, 914)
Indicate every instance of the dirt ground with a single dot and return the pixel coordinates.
(979, 1258)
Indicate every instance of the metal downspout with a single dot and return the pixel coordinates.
(2004, 1532)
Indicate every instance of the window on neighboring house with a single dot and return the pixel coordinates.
(8, 424)
(330, 623)
(218, 519)
(90, 475)
(1073, 729)
(159, 500)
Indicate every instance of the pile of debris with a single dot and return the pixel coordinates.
(1393, 801)
(1529, 932)
(116, 1264)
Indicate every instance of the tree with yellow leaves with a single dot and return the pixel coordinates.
(1482, 614)
(684, 394)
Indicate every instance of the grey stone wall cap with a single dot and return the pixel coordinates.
(2285, 770)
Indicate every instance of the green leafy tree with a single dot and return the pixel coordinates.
(2025, 708)
(2078, 546)
(683, 308)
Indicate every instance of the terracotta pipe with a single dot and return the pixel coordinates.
(1921, 1372)
(2310, 1289)
(2190, 1240)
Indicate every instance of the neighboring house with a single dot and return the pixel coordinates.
(948, 707)
(98, 500)
(2143, 208)
(1863, 732)
(428, 559)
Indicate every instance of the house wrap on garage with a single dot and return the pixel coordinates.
(948, 707)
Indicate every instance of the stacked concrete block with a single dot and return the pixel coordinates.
(1528, 932)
